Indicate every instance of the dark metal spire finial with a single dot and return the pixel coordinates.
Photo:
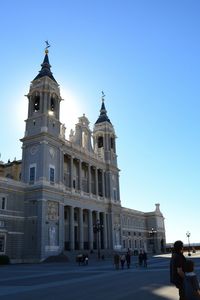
(102, 96)
(47, 46)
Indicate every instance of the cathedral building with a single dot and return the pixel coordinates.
(64, 196)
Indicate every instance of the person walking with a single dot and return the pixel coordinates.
(116, 261)
(190, 282)
(144, 259)
(140, 258)
(86, 259)
(128, 259)
(177, 268)
(122, 260)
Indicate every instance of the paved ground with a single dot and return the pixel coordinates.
(98, 280)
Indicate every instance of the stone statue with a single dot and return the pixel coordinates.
(52, 236)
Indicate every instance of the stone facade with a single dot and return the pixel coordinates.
(64, 194)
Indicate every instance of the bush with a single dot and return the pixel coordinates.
(4, 260)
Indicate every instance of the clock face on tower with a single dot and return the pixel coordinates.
(34, 149)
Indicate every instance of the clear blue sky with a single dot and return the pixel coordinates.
(145, 56)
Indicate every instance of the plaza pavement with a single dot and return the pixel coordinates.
(98, 280)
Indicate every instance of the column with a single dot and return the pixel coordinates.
(90, 230)
(105, 236)
(111, 185)
(61, 179)
(99, 232)
(103, 184)
(111, 236)
(81, 229)
(96, 181)
(97, 215)
(118, 190)
(80, 175)
(71, 212)
(43, 104)
(89, 178)
(71, 172)
(30, 106)
(43, 238)
(61, 227)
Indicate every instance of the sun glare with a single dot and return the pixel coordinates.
(20, 108)
(70, 109)
(166, 292)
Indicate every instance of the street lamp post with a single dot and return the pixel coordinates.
(152, 233)
(98, 227)
(188, 234)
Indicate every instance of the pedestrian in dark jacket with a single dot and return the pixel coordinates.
(140, 258)
(122, 260)
(128, 259)
(177, 268)
(144, 259)
(116, 261)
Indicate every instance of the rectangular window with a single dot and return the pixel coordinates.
(75, 216)
(84, 218)
(74, 183)
(2, 243)
(115, 194)
(32, 174)
(2, 203)
(52, 174)
(65, 214)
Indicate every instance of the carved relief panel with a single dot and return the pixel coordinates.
(52, 211)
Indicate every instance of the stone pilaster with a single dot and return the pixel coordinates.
(71, 228)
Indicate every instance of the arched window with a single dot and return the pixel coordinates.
(36, 103)
(100, 142)
(52, 104)
(112, 143)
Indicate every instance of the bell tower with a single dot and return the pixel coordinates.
(44, 102)
(105, 147)
(41, 152)
(104, 136)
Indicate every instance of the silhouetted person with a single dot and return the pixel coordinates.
(122, 260)
(116, 261)
(144, 259)
(86, 259)
(177, 268)
(140, 258)
(128, 259)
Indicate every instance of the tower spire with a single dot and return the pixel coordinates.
(103, 112)
(46, 67)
